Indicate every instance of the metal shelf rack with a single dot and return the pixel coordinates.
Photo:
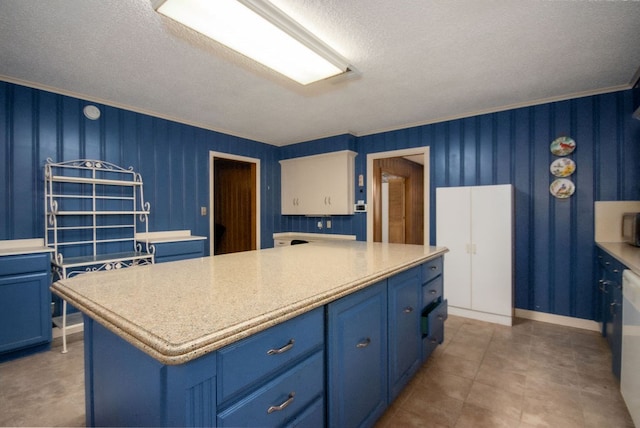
(93, 210)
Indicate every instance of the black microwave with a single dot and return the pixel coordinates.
(631, 228)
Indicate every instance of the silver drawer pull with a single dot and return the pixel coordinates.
(285, 348)
(440, 317)
(364, 343)
(434, 268)
(432, 291)
(283, 405)
(408, 310)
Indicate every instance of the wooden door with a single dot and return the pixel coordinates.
(413, 197)
(234, 205)
(397, 211)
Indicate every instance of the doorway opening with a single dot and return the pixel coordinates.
(398, 195)
(234, 203)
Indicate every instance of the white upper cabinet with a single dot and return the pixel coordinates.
(476, 224)
(319, 185)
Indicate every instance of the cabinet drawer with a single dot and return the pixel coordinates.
(433, 328)
(171, 251)
(25, 263)
(312, 417)
(432, 291)
(280, 400)
(250, 360)
(431, 269)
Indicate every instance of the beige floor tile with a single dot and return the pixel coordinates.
(498, 400)
(472, 352)
(502, 378)
(545, 411)
(459, 366)
(432, 406)
(451, 385)
(474, 379)
(473, 416)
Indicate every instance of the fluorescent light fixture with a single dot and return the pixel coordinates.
(260, 31)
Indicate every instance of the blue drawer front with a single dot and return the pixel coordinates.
(172, 251)
(432, 291)
(247, 362)
(312, 417)
(431, 269)
(280, 400)
(25, 263)
(433, 328)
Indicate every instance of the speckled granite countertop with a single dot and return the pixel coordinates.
(179, 311)
(626, 254)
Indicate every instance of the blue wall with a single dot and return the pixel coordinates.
(172, 158)
(554, 255)
(554, 264)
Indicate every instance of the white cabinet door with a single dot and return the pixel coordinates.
(291, 192)
(475, 223)
(318, 185)
(453, 230)
(491, 249)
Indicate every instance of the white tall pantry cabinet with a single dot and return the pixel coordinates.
(476, 224)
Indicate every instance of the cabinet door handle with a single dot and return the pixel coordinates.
(364, 343)
(433, 291)
(434, 268)
(440, 317)
(285, 348)
(282, 406)
(408, 310)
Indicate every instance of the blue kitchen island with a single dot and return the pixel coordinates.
(322, 334)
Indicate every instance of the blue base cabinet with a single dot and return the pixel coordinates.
(404, 329)
(275, 377)
(357, 356)
(180, 250)
(25, 304)
(126, 387)
(377, 339)
(338, 366)
(610, 287)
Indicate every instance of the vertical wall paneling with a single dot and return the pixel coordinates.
(172, 159)
(553, 238)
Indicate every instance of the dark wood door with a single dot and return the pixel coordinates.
(234, 206)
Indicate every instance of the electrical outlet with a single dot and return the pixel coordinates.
(320, 224)
(328, 224)
(203, 211)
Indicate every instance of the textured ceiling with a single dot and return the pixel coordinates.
(421, 61)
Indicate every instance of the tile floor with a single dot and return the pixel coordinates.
(484, 375)
(533, 374)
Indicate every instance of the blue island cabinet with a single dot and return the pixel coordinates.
(338, 365)
(357, 357)
(25, 304)
(273, 378)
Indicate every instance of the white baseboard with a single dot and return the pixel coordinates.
(481, 316)
(559, 320)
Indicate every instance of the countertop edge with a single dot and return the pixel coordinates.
(175, 354)
(624, 253)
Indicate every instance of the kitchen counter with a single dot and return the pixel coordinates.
(168, 236)
(626, 254)
(179, 311)
(23, 246)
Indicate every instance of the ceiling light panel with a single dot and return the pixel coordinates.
(260, 31)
